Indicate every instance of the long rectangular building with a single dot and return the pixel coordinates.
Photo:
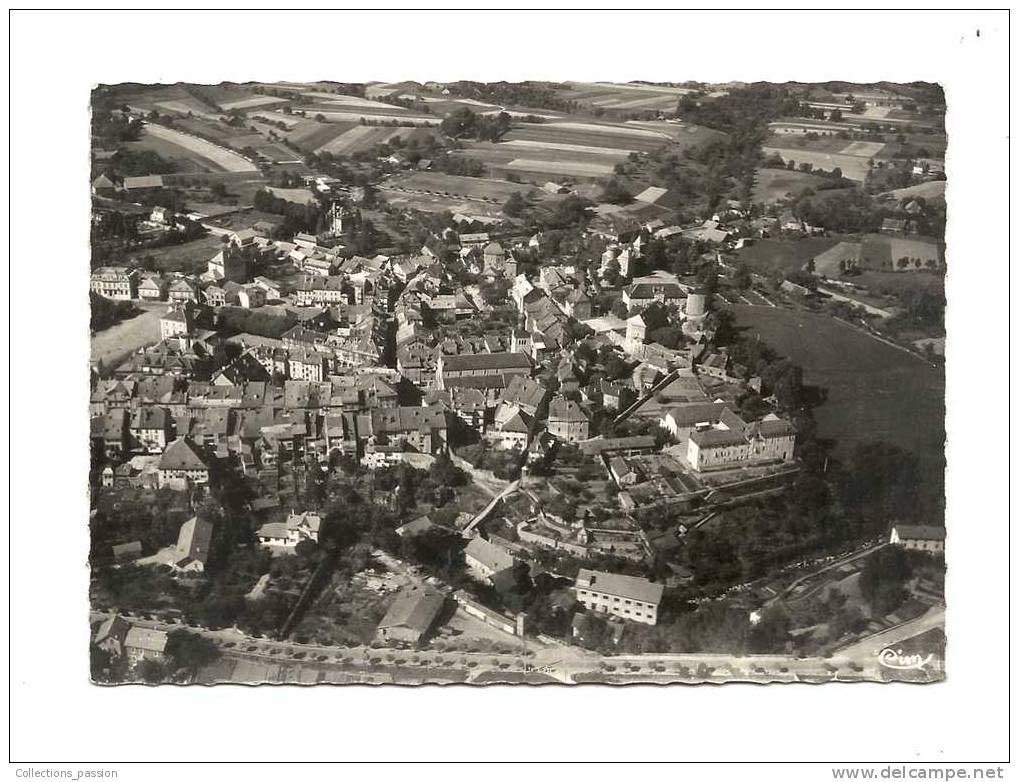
(629, 597)
(479, 365)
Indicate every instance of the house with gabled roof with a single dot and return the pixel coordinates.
(512, 427)
(144, 643)
(182, 290)
(567, 420)
(285, 535)
(111, 634)
(412, 615)
(102, 185)
(485, 559)
(194, 542)
(150, 427)
(152, 288)
(918, 537)
(182, 464)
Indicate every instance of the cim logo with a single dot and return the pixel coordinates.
(899, 661)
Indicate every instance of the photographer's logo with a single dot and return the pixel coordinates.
(897, 660)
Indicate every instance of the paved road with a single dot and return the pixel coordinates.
(569, 664)
(872, 645)
(787, 593)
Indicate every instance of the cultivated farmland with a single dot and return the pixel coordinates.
(254, 102)
(574, 168)
(364, 137)
(219, 158)
(580, 150)
(349, 100)
(623, 97)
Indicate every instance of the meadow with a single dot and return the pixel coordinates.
(875, 391)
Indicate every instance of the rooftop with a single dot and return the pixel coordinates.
(617, 585)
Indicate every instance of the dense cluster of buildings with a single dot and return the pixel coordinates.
(286, 353)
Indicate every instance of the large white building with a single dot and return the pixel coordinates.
(114, 282)
(728, 440)
(628, 597)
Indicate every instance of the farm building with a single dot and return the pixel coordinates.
(143, 184)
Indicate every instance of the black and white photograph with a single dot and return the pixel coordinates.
(550, 373)
(523, 382)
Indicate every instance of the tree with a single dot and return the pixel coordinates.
(152, 671)
(102, 665)
(514, 205)
(883, 579)
(743, 279)
(444, 473)
(188, 651)
(614, 192)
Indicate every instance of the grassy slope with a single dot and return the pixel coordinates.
(875, 392)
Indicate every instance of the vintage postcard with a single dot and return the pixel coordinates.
(459, 382)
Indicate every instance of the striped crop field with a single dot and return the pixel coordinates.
(221, 157)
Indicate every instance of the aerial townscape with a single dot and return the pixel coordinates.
(539, 382)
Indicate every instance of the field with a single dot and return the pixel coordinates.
(574, 168)
(190, 257)
(362, 137)
(875, 391)
(578, 149)
(854, 168)
(435, 192)
(204, 153)
(784, 255)
(623, 97)
(776, 184)
(931, 191)
(423, 120)
(348, 100)
(346, 138)
(469, 187)
(827, 152)
(186, 106)
(895, 283)
(296, 194)
(113, 345)
(887, 252)
(309, 135)
(254, 102)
